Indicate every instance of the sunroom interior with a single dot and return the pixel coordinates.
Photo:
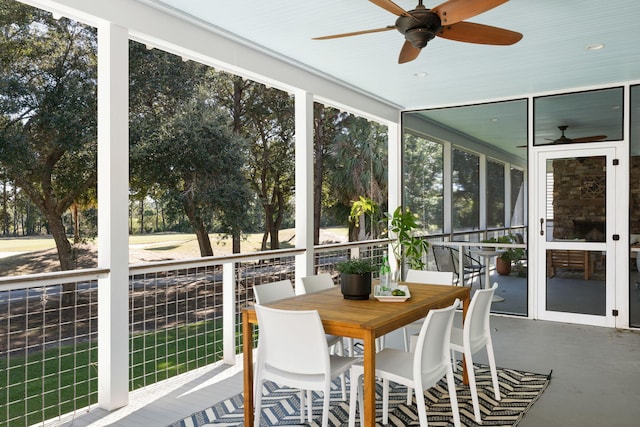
(501, 110)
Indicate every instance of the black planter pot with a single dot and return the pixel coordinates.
(355, 286)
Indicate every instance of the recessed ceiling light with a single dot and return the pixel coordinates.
(421, 74)
(595, 46)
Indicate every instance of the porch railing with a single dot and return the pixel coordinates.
(48, 345)
(182, 315)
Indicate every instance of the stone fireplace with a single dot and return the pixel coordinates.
(579, 198)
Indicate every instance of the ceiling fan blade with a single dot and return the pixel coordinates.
(356, 33)
(593, 138)
(454, 11)
(470, 32)
(390, 6)
(408, 52)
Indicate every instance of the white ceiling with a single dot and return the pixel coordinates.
(551, 56)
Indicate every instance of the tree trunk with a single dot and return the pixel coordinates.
(275, 241)
(203, 238)
(362, 228)
(267, 226)
(353, 232)
(263, 244)
(142, 216)
(236, 241)
(204, 243)
(277, 223)
(65, 254)
(157, 215)
(76, 224)
(5, 207)
(15, 211)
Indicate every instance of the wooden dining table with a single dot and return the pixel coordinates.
(363, 319)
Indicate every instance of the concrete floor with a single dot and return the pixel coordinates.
(595, 380)
(596, 371)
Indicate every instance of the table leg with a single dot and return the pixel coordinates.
(465, 309)
(369, 416)
(247, 342)
(488, 284)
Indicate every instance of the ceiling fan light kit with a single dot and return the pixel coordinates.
(421, 25)
(420, 28)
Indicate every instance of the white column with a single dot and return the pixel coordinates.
(447, 182)
(304, 184)
(229, 313)
(113, 230)
(508, 208)
(482, 170)
(395, 166)
(394, 178)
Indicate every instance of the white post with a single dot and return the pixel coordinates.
(394, 178)
(394, 166)
(228, 313)
(304, 184)
(113, 229)
(483, 168)
(447, 183)
(508, 206)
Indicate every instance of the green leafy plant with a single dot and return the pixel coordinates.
(362, 208)
(355, 266)
(408, 249)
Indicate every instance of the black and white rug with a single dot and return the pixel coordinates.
(519, 390)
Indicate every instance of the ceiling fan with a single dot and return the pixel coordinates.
(421, 25)
(564, 140)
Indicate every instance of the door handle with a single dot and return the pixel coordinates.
(542, 226)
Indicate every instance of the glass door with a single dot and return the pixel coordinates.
(576, 193)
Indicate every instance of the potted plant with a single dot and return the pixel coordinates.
(408, 249)
(503, 262)
(355, 278)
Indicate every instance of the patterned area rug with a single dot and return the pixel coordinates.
(519, 390)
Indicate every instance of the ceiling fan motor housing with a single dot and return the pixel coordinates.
(419, 28)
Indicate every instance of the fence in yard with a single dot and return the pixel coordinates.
(178, 313)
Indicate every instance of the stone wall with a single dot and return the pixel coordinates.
(579, 191)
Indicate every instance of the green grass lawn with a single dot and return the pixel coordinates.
(57, 381)
(46, 384)
(26, 244)
(181, 243)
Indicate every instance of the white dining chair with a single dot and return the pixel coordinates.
(316, 283)
(429, 278)
(294, 353)
(474, 336)
(419, 370)
(274, 291)
(321, 282)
